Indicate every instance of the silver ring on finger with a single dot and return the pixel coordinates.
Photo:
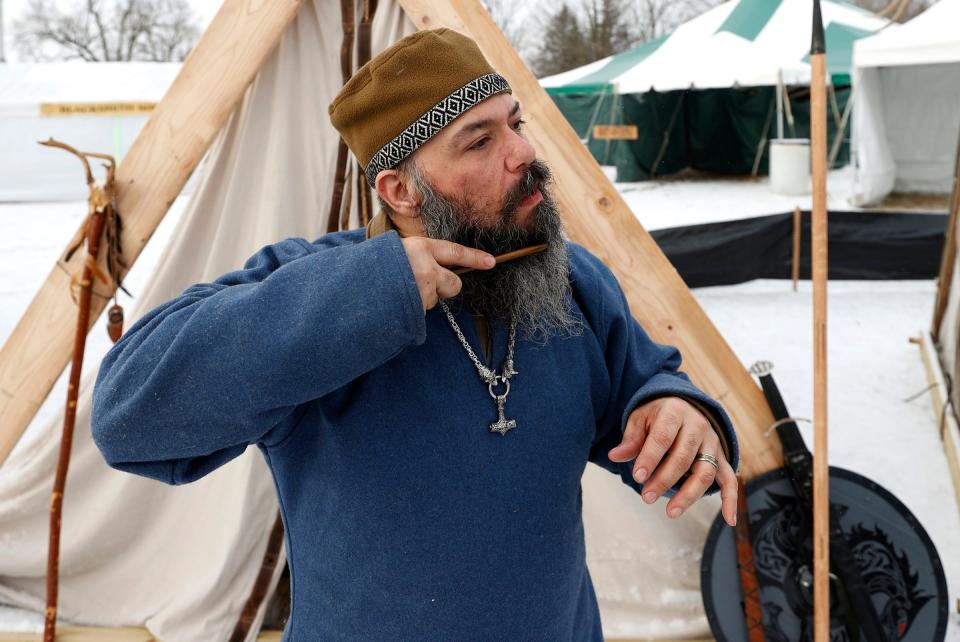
(710, 459)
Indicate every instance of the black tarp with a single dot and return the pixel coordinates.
(862, 245)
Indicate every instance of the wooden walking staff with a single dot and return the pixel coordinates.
(102, 213)
(818, 225)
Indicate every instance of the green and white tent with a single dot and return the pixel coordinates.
(704, 95)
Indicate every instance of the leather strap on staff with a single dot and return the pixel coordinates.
(347, 20)
(749, 584)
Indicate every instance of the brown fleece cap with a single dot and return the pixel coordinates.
(403, 97)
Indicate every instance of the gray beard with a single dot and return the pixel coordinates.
(534, 290)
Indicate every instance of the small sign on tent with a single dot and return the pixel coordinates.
(96, 109)
(615, 132)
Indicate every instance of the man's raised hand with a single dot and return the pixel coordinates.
(430, 259)
(664, 435)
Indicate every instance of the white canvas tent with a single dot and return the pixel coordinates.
(181, 560)
(94, 106)
(906, 117)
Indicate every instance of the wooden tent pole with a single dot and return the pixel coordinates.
(949, 256)
(818, 225)
(169, 147)
(596, 216)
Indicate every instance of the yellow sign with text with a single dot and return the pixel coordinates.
(616, 132)
(96, 109)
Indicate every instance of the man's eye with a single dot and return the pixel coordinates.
(519, 125)
(480, 143)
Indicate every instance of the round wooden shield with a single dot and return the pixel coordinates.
(899, 564)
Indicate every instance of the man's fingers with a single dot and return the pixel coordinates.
(729, 491)
(702, 475)
(448, 284)
(427, 258)
(660, 437)
(632, 441)
(449, 253)
(690, 440)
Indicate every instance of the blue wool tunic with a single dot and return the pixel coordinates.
(406, 518)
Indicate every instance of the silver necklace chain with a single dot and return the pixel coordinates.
(490, 377)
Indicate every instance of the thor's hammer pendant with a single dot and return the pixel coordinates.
(502, 424)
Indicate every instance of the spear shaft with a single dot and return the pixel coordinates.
(818, 224)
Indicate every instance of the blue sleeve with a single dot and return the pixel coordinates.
(234, 362)
(639, 371)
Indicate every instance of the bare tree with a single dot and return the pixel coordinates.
(3, 52)
(563, 44)
(607, 27)
(898, 10)
(107, 30)
(655, 18)
(504, 13)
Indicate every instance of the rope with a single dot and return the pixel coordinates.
(764, 136)
(785, 420)
(593, 120)
(917, 395)
(666, 136)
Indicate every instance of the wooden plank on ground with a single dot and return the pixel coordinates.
(597, 217)
(85, 634)
(98, 634)
(946, 420)
(169, 147)
(108, 634)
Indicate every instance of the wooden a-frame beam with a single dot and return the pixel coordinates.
(210, 84)
(198, 103)
(598, 218)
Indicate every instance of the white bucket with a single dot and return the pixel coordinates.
(790, 165)
(610, 171)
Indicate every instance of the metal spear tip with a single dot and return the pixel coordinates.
(817, 43)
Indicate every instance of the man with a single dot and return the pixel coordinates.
(426, 432)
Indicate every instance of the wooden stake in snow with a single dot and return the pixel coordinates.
(818, 227)
(795, 263)
(949, 251)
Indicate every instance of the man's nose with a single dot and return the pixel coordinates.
(521, 154)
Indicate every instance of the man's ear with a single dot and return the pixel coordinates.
(397, 194)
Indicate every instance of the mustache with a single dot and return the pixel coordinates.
(537, 175)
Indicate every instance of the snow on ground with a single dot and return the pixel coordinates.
(873, 366)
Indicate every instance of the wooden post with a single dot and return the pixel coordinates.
(949, 256)
(210, 84)
(596, 216)
(795, 263)
(818, 228)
